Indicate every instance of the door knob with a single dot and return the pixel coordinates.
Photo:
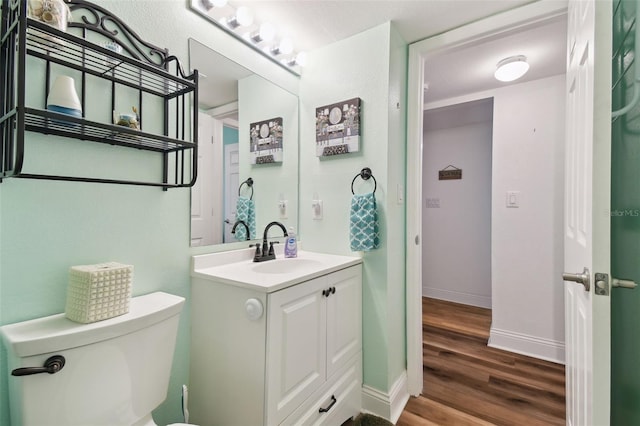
(583, 278)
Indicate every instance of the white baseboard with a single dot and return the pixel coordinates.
(388, 406)
(458, 297)
(547, 349)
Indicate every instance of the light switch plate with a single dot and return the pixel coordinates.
(513, 199)
(433, 203)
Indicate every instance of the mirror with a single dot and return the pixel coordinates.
(247, 129)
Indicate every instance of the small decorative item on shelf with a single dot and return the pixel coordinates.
(114, 47)
(127, 119)
(52, 12)
(63, 97)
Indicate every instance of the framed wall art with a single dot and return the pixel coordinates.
(266, 141)
(338, 128)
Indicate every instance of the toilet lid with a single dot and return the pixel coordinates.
(181, 424)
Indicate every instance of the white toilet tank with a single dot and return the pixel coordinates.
(116, 371)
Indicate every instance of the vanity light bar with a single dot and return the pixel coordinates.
(261, 36)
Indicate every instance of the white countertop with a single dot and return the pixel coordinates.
(238, 268)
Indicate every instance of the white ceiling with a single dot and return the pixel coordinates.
(316, 23)
(470, 70)
(313, 24)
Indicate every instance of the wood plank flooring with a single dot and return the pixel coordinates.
(468, 383)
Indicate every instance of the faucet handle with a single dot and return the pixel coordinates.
(271, 247)
(257, 246)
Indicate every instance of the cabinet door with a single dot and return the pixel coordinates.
(296, 347)
(344, 317)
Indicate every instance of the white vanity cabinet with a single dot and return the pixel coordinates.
(299, 362)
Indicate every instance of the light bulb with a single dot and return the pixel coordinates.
(210, 4)
(244, 16)
(286, 46)
(298, 60)
(266, 33)
(301, 59)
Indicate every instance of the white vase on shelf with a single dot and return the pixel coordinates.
(63, 97)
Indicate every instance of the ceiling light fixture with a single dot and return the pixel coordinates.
(511, 68)
(258, 36)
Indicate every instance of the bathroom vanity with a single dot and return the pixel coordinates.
(278, 342)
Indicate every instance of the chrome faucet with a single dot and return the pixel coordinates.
(243, 223)
(268, 253)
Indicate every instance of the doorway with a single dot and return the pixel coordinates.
(472, 35)
(457, 191)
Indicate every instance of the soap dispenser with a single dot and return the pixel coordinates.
(291, 246)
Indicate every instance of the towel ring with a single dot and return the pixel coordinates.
(249, 183)
(365, 174)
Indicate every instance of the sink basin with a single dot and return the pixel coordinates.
(285, 266)
(237, 268)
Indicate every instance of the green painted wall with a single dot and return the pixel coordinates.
(48, 226)
(625, 224)
(372, 66)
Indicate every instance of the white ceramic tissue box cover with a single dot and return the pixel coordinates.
(98, 292)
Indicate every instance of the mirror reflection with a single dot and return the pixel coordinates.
(248, 152)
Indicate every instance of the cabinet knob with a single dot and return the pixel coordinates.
(328, 292)
(254, 309)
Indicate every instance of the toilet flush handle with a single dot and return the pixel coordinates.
(52, 365)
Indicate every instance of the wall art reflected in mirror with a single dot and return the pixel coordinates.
(235, 186)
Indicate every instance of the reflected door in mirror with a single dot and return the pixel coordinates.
(204, 213)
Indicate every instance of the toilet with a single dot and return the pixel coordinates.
(114, 372)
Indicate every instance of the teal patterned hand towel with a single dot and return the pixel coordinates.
(364, 233)
(246, 210)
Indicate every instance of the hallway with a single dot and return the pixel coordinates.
(468, 383)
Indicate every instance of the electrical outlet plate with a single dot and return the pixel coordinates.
(282, 208)
(316, 209)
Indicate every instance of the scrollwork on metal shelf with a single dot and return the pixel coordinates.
(101, 21)
(171, 58)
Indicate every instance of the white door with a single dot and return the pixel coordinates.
(202, 193)
(587, 203)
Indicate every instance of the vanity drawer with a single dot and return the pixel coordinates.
(345, 387)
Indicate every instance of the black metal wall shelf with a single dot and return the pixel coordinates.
(51, 44)
(53, 123)
(142, 69)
